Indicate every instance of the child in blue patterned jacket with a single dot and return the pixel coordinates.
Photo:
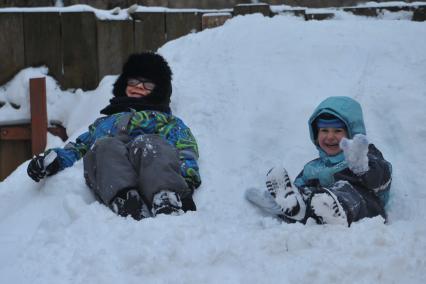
(139, 159)
(349, 181)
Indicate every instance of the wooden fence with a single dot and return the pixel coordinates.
(79, 49)
(199, 4)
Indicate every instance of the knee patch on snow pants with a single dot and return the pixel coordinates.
(147, 163)
(358, 203)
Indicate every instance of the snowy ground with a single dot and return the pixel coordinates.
(246, 90)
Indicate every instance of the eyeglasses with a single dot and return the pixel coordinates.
(147, 84)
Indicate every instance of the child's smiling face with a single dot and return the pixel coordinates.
(329, 139)
(139, 87)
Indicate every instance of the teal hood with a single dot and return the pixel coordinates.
(346, 109)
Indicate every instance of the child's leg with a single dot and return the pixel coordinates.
(107, 169)
(264, 200)
(325, 208)
(158, 167)
(111, 177)
(279, 197)
(285, 194)
(356, 203)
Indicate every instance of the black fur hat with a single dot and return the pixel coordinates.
(151, 66)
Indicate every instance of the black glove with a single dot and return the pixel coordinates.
(43, 165)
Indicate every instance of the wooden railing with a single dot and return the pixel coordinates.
(20, 141)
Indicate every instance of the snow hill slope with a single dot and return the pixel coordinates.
(246, 90)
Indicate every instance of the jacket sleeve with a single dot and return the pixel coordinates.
(188, 155)
(377, 179)
(181, 137)
(74, 151)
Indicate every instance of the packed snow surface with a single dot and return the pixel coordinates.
(246, 89)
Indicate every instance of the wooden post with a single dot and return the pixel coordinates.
(38, 115)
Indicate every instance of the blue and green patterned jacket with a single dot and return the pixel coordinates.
(174, 131)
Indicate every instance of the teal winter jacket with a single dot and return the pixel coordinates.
(326, 170)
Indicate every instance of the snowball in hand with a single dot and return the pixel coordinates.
(355, 152)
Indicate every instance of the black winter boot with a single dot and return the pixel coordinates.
(129, 202)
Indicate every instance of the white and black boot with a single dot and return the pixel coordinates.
(326, 208)
(166, 202)
(280, 197)
(287, 196)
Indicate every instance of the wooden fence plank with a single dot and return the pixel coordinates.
(322, 3)
(212, 20)
(293, 12)
(150, 30)
(318, 16)
(395, 8)
(15, 132)
(261, 8)
(182, 23)
(101, 4)
(12, 154)
(419, 14)
(38, 115)
(42, 32)
(80, 60)
(11, 45)
(362, 11)
(242, 9)
(245, 9)
(169, 3)
(26, 3)
(115, 44)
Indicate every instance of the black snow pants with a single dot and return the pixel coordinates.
(357, 202)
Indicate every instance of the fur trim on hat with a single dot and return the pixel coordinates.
(151, 66)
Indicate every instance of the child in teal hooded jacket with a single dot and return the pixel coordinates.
(350, 179)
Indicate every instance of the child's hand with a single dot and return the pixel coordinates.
(42, 165)
(355, 151)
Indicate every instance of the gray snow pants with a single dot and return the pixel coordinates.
(357, 202)
(147, 163)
